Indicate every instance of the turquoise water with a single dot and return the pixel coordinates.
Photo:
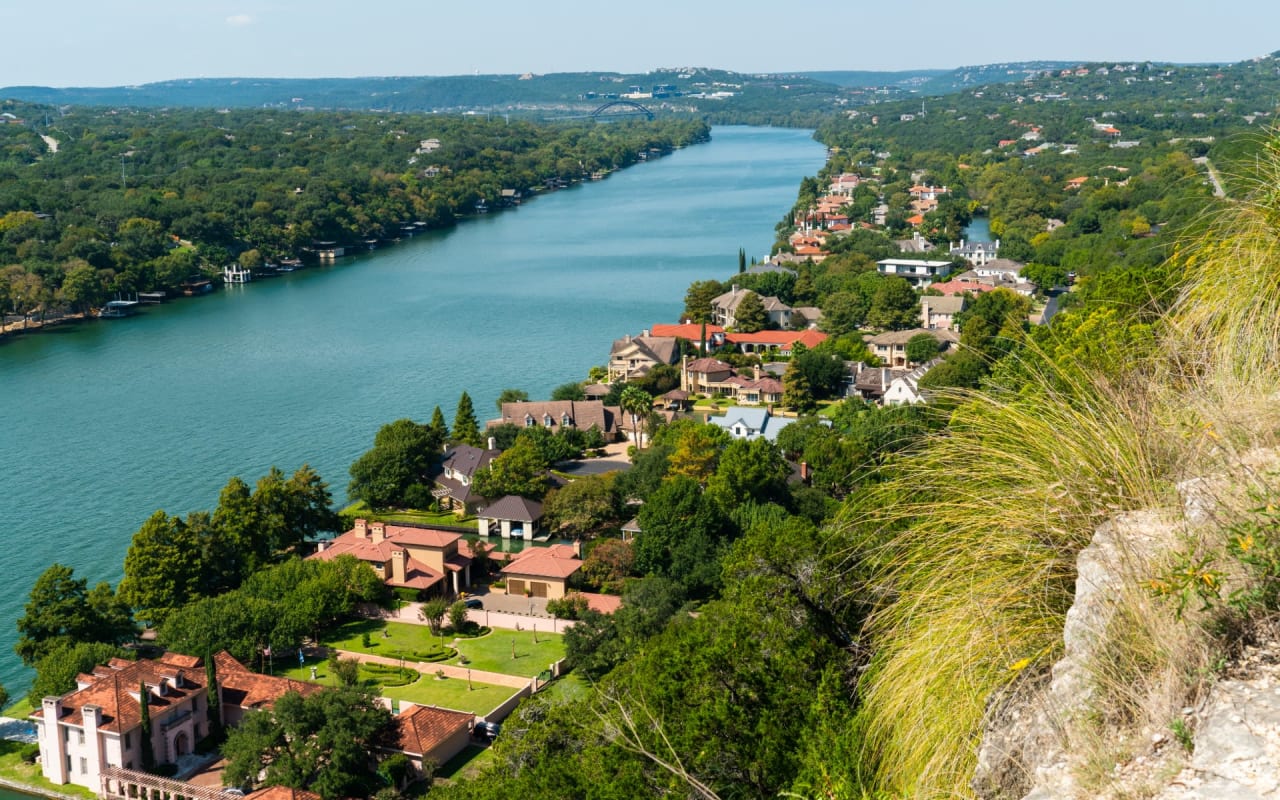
(978, 230)
(103, 423)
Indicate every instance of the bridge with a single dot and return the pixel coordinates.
(621, 108)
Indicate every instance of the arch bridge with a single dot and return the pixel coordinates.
(621, 108)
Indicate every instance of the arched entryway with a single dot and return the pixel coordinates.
(181, 745)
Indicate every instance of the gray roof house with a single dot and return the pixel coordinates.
(743, 422)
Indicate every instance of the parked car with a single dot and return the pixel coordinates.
(474, 602)
(487, 731)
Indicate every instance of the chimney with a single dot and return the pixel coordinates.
(627, 338)
(493, 443)
(577, 547)
(397, 566)
(804, 472)
(735, 288)
(756, 371)
(645, 333)
(362, 529)
(378, 531)
(322, 545)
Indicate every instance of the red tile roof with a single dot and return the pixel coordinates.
(557, 561)
(808, 338)
(248, 689)
(113, 687)
(603, 603)
(686, 330)
(424, 728)
(960, 287)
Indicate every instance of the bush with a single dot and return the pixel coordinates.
(571, 606)
(29, 752)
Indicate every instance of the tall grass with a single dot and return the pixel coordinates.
(966, 555)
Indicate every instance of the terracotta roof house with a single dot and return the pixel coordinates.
(511, 516)
(555, 414)
(782, 341)
(542, 571)
(453, 482)
(891, 347)
(405, 556)
(97, 725)
(692, 332)
(955, 287)
(430, 734)
(705, 376)
(751, 423)
(725, 307)
(633, 356)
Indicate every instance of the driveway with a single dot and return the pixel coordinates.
(614, 460)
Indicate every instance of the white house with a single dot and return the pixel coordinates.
(919, 273)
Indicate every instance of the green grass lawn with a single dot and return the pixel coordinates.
(408, 515)
(492, 653)
(428, 690)
(19, 710)
(566, 689)
(388, 639)
(466, 764)
(15, 769)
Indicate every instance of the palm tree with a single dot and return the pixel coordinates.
(636, 402)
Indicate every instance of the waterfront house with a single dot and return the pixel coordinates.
(557, 414)
(783, 342)
(632, 357)
(918, 273)
(542, 571)
(976, 253)
(404, 556)
(98, 725)
(453, 481)
(724, 308)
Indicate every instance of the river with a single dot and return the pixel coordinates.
(103, 423)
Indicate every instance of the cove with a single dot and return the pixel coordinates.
(103, 423)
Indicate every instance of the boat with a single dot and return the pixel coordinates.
(195, 286)
(118, 309)
(289, 264)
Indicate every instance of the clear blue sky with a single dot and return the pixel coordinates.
(112, 42)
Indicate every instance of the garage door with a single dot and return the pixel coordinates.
(539, 588)
(515, 586)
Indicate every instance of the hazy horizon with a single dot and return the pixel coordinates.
(131, 42)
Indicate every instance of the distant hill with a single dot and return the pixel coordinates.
(942, 81)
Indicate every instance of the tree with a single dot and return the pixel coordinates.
(237, 518)
(742, 260)
(433, 611)
(60, 610)
(144, 728)
(922, 348)
(697, 300)
(584, 506)
(160, 574)
(466, 429)
(520, 471)
(681, 536)
(437, 428)
(213, 698)
(568, 391)
(56, 671)
(894, 305)
(402, 457)
(822, 368)
(638, 403)
(512, 396)
(796, 394)
(458, 616)
(321, 743)
(843, 313)
(4, 697)
(750, 315)
(697, 449)
(749, 471)
(608, 564)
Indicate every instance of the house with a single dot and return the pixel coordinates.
(693, 332)
(916, 244)
(453, 482)
(891, 347)
(430, 735)
(556, 414)
(632, 357)
(939, 313)
(725, 307)
(751, 423)
(511, 516)
(98, 725)
(542, 571)
(976, 253)
(782, 341)
(705, 376)
(955, 287)
(919, 273)
(405, 556)
(871, 383)
(631, 529)
(905, 389)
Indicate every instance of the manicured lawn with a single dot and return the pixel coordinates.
(409, 515)
(385, 638)
(13, 768)
(478, 698)
(466, 764)
(19, 710)
(565, 689)
(492, 653)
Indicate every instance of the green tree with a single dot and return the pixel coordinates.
(608, 564)
(894, 305)
(638, 403)
(519, 471)
(697, 450)
(749, 471)
(922, 348)
(437, 428)
(402, 457)
(568, 391)
(60, 611)
(844, 312)
(466, 428)
(160, 574)
(750, 315)
(584, 506)
(796, 393)
(458, 616)
(238, 520)
(697, 300)
(56, 671)
(320, 743)
(213, 698)
(144, 728)
(433, 611)
(742, 260)
(512, 396)
(682, 536)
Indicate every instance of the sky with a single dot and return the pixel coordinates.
(124, 42)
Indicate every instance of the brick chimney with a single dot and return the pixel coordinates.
(362, 529)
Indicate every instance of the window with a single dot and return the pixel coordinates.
(128, 741)
(80, 736)
(84, 766)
